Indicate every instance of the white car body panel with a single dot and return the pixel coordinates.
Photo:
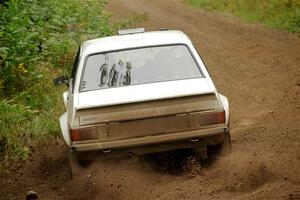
(75, 100)
(155, 38)
(225, 103)
(136, 41)
(143, 92)
(65, 128)
(65, 96)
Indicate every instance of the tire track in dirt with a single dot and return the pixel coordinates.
(257, 68)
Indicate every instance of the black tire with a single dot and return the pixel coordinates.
(200, 152)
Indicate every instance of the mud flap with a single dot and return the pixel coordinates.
(76, 168)
(225, 148)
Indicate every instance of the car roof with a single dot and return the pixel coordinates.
(127, 41)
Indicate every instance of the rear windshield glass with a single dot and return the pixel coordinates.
(138, 66)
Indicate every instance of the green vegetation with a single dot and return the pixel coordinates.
(43, 30)
(282, 14)
(38, 41)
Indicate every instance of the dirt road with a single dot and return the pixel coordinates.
(257, 68)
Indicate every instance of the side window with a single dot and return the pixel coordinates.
(75, 67)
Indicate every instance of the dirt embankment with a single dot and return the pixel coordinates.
(257, 68)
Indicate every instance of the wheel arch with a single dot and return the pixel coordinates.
(225, 103)
(63, 120)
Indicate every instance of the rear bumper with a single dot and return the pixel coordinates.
(149, 140)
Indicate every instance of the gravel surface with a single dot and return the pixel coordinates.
(257, 68)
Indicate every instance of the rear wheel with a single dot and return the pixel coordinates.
(200, 152)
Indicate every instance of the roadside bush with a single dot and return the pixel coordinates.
(38, 41)
(27, 117)
(282, 14)
(44, 30)
(12, 115)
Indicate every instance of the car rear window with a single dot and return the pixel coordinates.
(138, 66)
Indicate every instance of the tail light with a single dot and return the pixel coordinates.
(83, 134)
(212, 118)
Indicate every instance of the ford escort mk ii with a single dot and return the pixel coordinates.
(142, 92)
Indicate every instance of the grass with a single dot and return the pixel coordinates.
(280, 14)
(38, 42)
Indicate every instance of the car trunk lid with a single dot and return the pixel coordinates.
(148, 117)
(143, 92)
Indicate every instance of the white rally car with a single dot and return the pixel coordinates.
(142, 92)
